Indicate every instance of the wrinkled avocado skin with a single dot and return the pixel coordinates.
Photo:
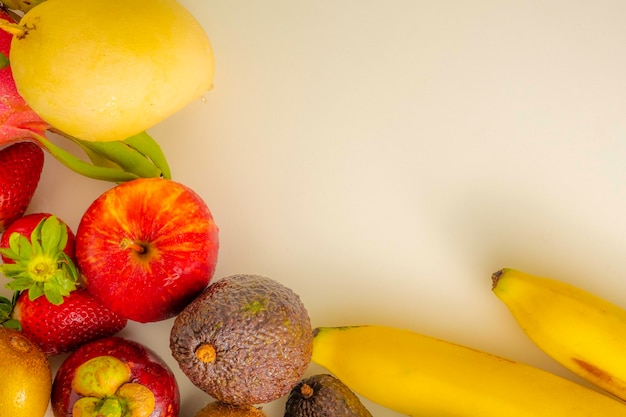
(261, 333)
(329, 398)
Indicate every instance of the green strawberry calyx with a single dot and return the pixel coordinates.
(41, 266)
(6, 313)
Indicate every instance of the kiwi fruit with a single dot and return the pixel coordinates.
(25, 376)
(246, 339)
(324, 395)
(220, 409)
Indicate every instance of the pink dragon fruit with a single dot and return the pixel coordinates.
(18, 122)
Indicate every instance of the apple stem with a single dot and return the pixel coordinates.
(132, 245)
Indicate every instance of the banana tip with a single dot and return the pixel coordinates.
(495, 277)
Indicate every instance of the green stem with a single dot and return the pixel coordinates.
(83, 168)
(139, 155)
(147, 146)
(123, 155)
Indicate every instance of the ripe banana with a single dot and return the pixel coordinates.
(422, 376)
(583, 332)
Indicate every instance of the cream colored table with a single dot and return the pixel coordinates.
(383, 158)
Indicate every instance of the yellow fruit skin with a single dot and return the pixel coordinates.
(423, 376)
(583, 332)
(25, 376)
(106, 70)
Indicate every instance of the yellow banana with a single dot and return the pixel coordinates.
(583, 332)
(419, 375)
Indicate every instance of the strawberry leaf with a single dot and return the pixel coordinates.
(12, 324)
(21, 283)
(53, 295)
(68, 267)
(6, 307)
(19, 247)
(13, 270)
(41, 266)
(4, 60)
(35, 291)
(59, 284)
(6, 312)
(36, 239)
(51, 235)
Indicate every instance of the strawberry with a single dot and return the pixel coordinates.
(25, 226)
(20, 170)
(38, 253)
(37, 263)
(62, 328)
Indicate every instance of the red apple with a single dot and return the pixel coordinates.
(146, 248)
(114, 376)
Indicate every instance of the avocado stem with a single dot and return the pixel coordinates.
(307, 391)
(206, 353)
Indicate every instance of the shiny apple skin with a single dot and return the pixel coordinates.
(174, 226)
(147, 368)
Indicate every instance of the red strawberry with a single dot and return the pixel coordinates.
(63, 328)
(37, 262)
(20, 170)
(39, 252)
(26, 225)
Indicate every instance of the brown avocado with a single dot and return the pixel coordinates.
(247, 339)
(323, 396)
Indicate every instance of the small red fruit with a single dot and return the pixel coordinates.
(26, 225)
(115, 377)
(63, 328)
(38, 252)
(146, 248)
(20, 170)
(37, 262)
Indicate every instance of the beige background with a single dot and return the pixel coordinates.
(383, 158)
